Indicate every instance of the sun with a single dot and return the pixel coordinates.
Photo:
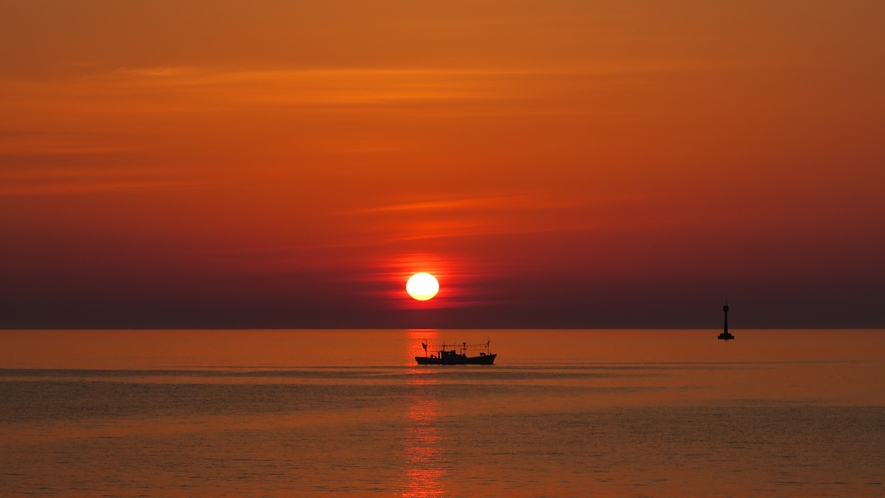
(422, 286)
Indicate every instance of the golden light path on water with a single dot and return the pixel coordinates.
(424, 477)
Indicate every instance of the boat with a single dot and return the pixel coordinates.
(443, 356)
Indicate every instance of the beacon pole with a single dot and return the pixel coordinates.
(725, 335)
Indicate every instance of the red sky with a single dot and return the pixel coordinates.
(555, 164)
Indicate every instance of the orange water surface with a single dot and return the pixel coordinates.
(334, 412)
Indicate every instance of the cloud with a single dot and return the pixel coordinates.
(508, 202)
(51, 181)
(482, 216)
(43, 144)
(127, 88)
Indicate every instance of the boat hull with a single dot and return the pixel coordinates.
(461, 360)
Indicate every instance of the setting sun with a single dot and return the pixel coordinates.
(422, 286)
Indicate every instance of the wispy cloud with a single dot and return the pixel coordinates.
(508, 202)
(91, 111)
(82, 187)
(50, 181)
(53, 144)
(482, 216)
(213, 86)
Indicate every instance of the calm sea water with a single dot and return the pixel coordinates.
(561, 413)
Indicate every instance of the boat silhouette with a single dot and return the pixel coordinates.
(443, 356)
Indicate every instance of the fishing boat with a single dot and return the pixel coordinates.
(443, 356)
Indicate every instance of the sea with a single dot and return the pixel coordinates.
(348, 412)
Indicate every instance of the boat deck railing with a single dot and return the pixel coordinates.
(462, 348)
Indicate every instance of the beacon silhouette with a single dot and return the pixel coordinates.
(725, 335)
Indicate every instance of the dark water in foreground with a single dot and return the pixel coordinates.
(562, 413)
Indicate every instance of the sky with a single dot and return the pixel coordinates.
(576, 164)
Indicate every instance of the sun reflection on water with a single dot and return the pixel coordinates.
(423, 451)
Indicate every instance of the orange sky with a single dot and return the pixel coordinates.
(577, 164)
